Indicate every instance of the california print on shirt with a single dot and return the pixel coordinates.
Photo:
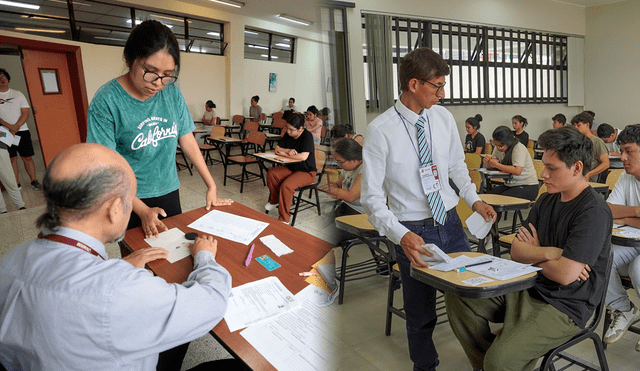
(152, 132)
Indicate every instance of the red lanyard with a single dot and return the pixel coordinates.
(70, 242)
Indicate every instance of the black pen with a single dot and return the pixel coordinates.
(474, 264)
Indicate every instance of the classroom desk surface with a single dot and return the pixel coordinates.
(600, 187)
(267, 156)
(618, 239)
(231, 255)
(451, 281)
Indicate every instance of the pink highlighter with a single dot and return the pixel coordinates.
(248, 260)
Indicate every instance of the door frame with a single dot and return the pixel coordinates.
(76, 73)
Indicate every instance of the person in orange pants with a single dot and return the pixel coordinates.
(296, 143)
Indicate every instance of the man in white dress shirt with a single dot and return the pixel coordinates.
(410, 154)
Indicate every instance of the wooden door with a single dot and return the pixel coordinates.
(54, 112)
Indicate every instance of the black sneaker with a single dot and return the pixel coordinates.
(19, 187)
(23, 208)
(36, 185)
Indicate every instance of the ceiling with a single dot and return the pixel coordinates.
(587, 3)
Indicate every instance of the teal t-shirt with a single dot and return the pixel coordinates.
(144, 133)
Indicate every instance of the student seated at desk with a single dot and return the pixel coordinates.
(511, 156)
(296, 143)
(348, 154)
(474, 142)
(255, 110)
(290, 106)
(313, 124)
(624, 202)
(559, 120)
(568, 235)
(343, 131)
(600, 156)
(609, 135)
(209, 116)
(518, 122)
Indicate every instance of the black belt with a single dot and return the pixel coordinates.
(429, 222)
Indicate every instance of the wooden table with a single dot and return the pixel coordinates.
(278, 160)
(451, 281)
(500, 204)
(231, 255)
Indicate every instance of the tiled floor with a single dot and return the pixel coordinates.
(359, 322)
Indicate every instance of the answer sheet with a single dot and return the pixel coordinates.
(302, 339)
(174, 242)
(257, 301)
(230, 226)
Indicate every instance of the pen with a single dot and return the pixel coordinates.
(474, 264)
(248, 260)
(306, 274)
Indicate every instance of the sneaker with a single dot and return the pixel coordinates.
(19, 187)
(638, 346)
(620, 322)
(23, 208)
(270, 206)
(36, 185)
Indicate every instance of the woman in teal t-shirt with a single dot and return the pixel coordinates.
(143, 116)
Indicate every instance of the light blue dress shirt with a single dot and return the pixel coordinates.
(62, 308)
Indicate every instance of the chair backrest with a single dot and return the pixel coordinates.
(612, 178)
(539, 166)
(262, 118)
(321, 161)
(276, 115)
(251, 126)
(531, 144)
(488, 148)
(531, 153)
(541, 190)
(602, 304)
(257, 137)
(323, 132)
(279, 123)
(216, 131)
(217, 121)
(473, 161)
(476, 178)
(237, 119)
(464, 212)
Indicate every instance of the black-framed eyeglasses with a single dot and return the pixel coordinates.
(340, 162)
(150, 76)
(438, 87)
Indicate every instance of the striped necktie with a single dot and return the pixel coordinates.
(435, 201)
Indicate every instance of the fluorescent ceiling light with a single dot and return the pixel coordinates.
(168, 18)
(214, 34)
(294, 19)
(41, 16)
(39, 30)
(258, 47)
(19, 5)
(65, 3)
(250, 32)
(108, 38)
(283, 45)
(233, 3)
(139, 21)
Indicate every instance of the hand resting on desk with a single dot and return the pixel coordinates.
(141, 257)
(204, 243)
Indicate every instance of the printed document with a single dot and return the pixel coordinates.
(174, 242)
(302, 339)
(230, 226)
(257, 301)
(277, 246)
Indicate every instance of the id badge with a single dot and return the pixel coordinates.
(430, 179)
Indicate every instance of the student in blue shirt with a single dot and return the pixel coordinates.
(143, 116)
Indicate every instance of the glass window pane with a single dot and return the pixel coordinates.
(94, 13)
(208, 30)
(59, 29)
(175, 23)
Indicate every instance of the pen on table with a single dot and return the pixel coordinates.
(248, 260)
(306, 274)
(464, 269)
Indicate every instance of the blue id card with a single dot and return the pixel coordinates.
(267, 262)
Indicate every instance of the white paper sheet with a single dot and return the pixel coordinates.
(6, 137)
(257, 301)
(503, 269)
(277, 246)
(439, 256)
(174, 242)
(459, 262)
(478, 226)
(232, 227)
(628, 231)
(301, 339)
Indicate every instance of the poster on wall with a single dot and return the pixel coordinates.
(272, 81)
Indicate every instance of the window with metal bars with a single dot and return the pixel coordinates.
(489, 65)
(267, 46)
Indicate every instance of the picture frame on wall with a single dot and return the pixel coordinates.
(273, 79)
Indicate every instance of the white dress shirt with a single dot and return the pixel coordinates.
(391, 164)
(62, 308)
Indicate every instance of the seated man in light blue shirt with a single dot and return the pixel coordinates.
(65, 306)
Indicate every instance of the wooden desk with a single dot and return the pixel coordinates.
(618, 239)
(488, 174)
(600, 188)
(278, 160)
(227, 143)
(231, 255)
(500, 204)
(538, 154)
(451, 281)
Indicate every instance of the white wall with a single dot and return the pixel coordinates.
(612, 54)
(546, 15)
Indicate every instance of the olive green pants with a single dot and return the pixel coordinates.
(530, 328)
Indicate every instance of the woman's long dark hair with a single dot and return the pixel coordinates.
(505, 136)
